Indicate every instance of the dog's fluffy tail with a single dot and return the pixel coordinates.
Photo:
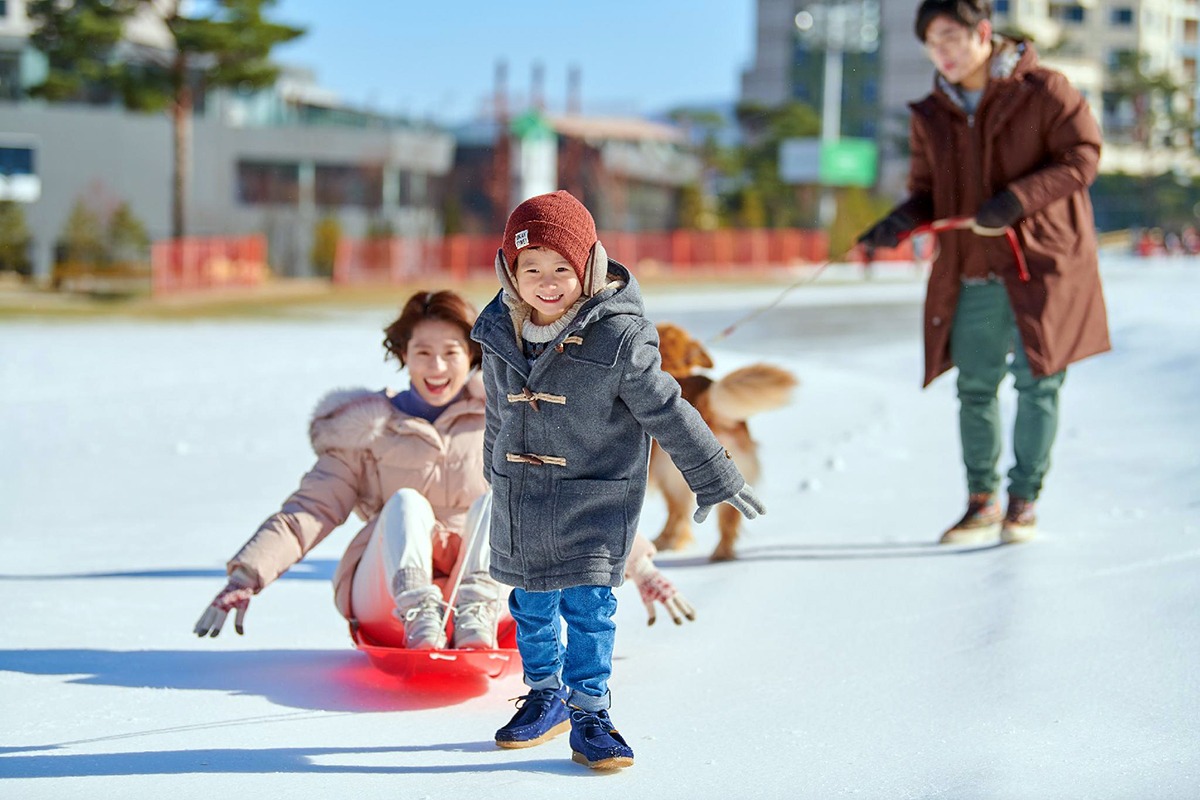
(751, 390)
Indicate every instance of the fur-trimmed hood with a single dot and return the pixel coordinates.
(1009, 58)
(356, 418)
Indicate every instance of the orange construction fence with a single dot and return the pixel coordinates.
(197, 263)
(673, 252)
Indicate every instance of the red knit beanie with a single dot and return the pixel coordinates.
(556, 220)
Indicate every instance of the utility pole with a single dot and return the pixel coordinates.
(837, 27)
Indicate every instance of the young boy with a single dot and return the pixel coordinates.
(574, 389)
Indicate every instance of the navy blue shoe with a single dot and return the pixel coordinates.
(541, 715)
(595, 742)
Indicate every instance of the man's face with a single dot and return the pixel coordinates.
(959, 53)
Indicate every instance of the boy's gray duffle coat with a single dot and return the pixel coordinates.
(567, 441)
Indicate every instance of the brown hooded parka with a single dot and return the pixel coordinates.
(1033, 134)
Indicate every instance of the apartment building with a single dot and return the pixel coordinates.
(1094, 41)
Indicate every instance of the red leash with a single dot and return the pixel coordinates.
(935, 227)
(968, 223)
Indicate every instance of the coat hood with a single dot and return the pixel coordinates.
(349, 419)
(495, 326)
(356, 418)
(1010, 58)
(621, 295)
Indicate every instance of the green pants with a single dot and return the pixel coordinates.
(983, 336)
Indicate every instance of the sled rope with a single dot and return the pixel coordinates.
(935, 227)
(469, 543)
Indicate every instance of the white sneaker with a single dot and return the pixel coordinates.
(424, 622)
(476, 613)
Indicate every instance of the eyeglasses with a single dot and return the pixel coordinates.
(950, 40)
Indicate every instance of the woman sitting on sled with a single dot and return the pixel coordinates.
(410, 463)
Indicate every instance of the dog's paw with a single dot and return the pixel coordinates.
(723, 553)
(678, 541)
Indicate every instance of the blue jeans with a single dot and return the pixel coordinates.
(585, 663)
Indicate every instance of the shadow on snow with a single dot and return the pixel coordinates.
(270, 760)
(830, 552)
(320, 680)
(315, 569)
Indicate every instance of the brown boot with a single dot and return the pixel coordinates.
(981, 523)
(1020, 522)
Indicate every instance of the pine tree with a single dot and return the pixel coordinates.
(219, 44)
(14, 238)
(82, 238)
(766, 127)
(127, 240)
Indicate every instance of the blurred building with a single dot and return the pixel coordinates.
(277, 161)
(1095, 43)
(877, 83)
(631, 173)
(1087, 40)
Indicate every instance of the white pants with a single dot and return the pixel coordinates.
(403, 538)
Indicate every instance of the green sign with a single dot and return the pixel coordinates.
(848, 162)
(531, 125)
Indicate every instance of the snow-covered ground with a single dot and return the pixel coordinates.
(845, 654)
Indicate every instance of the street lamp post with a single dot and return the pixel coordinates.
(837, 27)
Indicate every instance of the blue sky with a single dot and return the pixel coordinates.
(436, 60)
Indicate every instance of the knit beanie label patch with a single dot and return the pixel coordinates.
(521, 239)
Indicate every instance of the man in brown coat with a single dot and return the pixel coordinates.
(1013, 145)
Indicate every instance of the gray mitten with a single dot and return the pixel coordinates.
(745, 501)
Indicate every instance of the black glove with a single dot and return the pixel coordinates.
(887, 232)
(997, 213)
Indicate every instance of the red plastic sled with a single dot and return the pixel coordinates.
(446, 663)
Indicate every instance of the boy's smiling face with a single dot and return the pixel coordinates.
(547, 282)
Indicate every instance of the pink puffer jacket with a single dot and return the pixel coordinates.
(367, 450)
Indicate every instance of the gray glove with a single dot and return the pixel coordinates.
(745, 501)
(236, 594)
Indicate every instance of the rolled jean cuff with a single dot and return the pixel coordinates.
(587, 702)
(551, 682)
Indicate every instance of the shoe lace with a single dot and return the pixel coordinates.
(593, 721)
(541, 697)
(429, 609)
(482, 610)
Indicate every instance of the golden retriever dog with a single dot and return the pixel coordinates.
(725, 404)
